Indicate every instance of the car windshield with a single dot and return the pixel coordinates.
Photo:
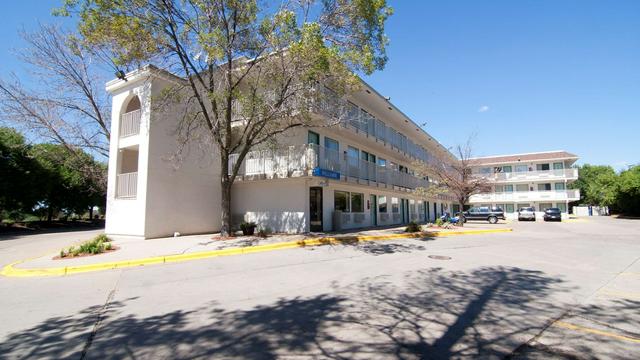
(553, 210)
(526, 209)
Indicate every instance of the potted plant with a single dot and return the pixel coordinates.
(248, 228)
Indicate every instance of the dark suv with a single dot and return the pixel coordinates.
(483, 213)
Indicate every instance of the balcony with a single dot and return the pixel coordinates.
(127, 185)
(353, 118)
(527, 196)
(559, 174)
(302, 160)
(130, 123)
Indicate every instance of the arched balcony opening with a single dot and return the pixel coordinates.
(130, 118)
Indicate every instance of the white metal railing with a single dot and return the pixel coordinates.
(127, 185)
(299, 160)
(533, 175)
(130, 123)
(555, 195)
(351, 116)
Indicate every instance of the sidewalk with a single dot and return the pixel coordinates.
(136, 252)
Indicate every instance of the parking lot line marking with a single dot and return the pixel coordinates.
(569, 326)
(629, 274)
(621, 294)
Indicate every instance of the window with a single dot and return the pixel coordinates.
(523, 205)
(341, 201)
(500, 206)
(331, 144)
(357, 202)
(394, 205)
(522, 187)
(544, 187)
(508, 188)
(559, 186)
(562, 207)
(509, 208)
(542, 167)
(485, 170)
(353, 152)
(382, 162)
(558, 166)
(382, 204)
(521, 168)
(545, 206)
(313, 138)
(506, 169)
(499, 188)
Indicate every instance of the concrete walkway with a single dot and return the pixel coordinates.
(135, 251)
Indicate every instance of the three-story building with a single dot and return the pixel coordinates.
(521, 180)
(358, 173)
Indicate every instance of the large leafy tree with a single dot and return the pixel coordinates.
(598, 185)
(63, 181)
(628, 196)
(247, 63)
(19, 190)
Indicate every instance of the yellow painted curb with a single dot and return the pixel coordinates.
(575, 327)
(12, 271)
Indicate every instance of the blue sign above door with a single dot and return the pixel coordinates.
(326, 173)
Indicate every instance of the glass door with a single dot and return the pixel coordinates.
(315, 209)
(373, 210)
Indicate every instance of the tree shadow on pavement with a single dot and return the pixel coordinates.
(429, 314)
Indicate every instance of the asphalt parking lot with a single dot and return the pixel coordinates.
(546, 290)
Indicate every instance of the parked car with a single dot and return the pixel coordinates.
(552, 214)
(527, 213)
(483, 213)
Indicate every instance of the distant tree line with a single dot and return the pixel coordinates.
(47, 180)
(600, 185)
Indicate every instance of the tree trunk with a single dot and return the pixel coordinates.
(91, 213)
(49, 213)
(225, 186)
(461, 204)
(225, 212)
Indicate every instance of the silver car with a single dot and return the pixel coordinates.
(527, 213)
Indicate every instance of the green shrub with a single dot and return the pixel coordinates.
(439, 222)
(248, 228)
(97, 245)
(412, 227)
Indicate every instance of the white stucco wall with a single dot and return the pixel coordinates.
(281, 205)
(127, 216)
(183, 195)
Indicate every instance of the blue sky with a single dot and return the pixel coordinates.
(524, 76)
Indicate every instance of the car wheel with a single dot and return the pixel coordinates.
(493, 220)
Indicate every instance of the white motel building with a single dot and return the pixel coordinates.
(356, 174)
(521, 180)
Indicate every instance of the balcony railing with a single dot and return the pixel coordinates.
(533, 175)
(351, 116)
(552, 195)
(300, 160)
(127, 185)
(130, 123)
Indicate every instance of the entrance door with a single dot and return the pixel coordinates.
(425, 205)
(373, 209)
(315, 209)
(435, 211)
(428, 208)
(404, 205)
